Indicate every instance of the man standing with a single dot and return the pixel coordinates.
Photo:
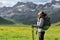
(42, 22)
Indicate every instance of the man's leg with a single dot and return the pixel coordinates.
(41, 35)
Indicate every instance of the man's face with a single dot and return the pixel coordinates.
(40, 14)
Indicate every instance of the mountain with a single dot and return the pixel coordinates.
(56, 16)
(4, 21)
(26, 13)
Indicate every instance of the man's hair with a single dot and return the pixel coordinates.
(44, 14)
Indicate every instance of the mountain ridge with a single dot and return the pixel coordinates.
(28, 11)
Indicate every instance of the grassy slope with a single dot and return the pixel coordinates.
(24, 32)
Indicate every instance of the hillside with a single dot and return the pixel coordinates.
(4, 21)
(24, 32)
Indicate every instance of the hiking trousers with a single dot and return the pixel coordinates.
(41, 35)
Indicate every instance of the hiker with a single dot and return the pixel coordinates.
(43, 22)
(40, 23)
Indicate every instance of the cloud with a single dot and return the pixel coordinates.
(1, 4)
(8, 2)
(42, 1)
(39, 1)
(13, 2)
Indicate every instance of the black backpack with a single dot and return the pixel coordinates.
(47, 21)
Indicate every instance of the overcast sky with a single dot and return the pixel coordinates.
(13, 2)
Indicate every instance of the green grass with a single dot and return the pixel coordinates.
(24, 32)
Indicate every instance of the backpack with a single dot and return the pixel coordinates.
(47, 23)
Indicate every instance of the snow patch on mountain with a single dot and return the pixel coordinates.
(21, 6)
(56, 6)
(19, 9)
(57, 0)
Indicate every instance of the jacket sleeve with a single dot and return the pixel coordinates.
(41, 22)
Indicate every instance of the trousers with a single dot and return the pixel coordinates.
(41, 35)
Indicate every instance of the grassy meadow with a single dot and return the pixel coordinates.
(24, 32)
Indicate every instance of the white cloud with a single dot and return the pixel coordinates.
(8, 2)
(13, 2)
(1, 4)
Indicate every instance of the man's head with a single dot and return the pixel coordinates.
(40, 14)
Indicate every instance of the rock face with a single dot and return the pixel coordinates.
(27, 12)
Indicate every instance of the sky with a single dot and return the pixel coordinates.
(13, 2)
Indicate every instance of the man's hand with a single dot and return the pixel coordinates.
(34, 25)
